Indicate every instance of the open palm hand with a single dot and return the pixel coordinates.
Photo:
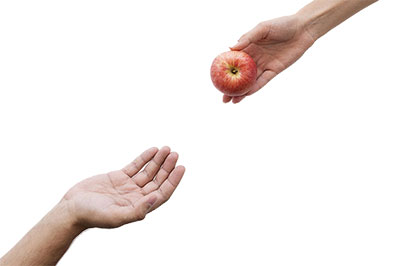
(127, 195)
(274, 45)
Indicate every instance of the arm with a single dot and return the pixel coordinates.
(276, 44)
(106, 201)
(320, 16)
(47, 241)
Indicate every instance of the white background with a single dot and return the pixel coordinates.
(305, 172)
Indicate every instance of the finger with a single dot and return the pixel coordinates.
(238, 99)
(169, 185)
(167, 188)
(262, 81)
(226, 99)
(135, 166)
(259, 72)
(140, 209)
(240, 45)
(257, 33)
(152, 167)
(163, 174)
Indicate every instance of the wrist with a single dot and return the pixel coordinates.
(63, 218)
(312, 21)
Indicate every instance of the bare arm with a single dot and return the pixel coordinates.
(320, 16)
(47, 241)
(106, 201)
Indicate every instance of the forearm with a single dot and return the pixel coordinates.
(47, 241)
(320, 16)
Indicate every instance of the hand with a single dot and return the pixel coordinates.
(274, 45)
(124, 196)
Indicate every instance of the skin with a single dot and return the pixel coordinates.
(276, 44)
(105, 201)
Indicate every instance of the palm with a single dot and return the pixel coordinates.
(274, 45)
(104, 198)
(119, 197)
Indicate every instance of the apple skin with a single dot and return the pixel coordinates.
(233, 73)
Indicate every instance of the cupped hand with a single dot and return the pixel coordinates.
(127, 195)
(274, 45)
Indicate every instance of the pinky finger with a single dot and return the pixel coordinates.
(238, 99)
(262, 80)
(168, 187)
(226, 99)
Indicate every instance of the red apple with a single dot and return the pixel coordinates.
(233, 73)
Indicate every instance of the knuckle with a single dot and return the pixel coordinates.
(141, 216)
(116, 223)
(243, 37)
(167, 197)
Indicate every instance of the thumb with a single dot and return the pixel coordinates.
(259, 32)
(150, 203)
(241, 44)
(145, 207)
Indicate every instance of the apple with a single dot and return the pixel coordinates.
(233, 73)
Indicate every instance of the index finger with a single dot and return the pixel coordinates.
(135, 166)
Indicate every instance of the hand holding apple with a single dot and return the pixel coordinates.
(274, 45)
